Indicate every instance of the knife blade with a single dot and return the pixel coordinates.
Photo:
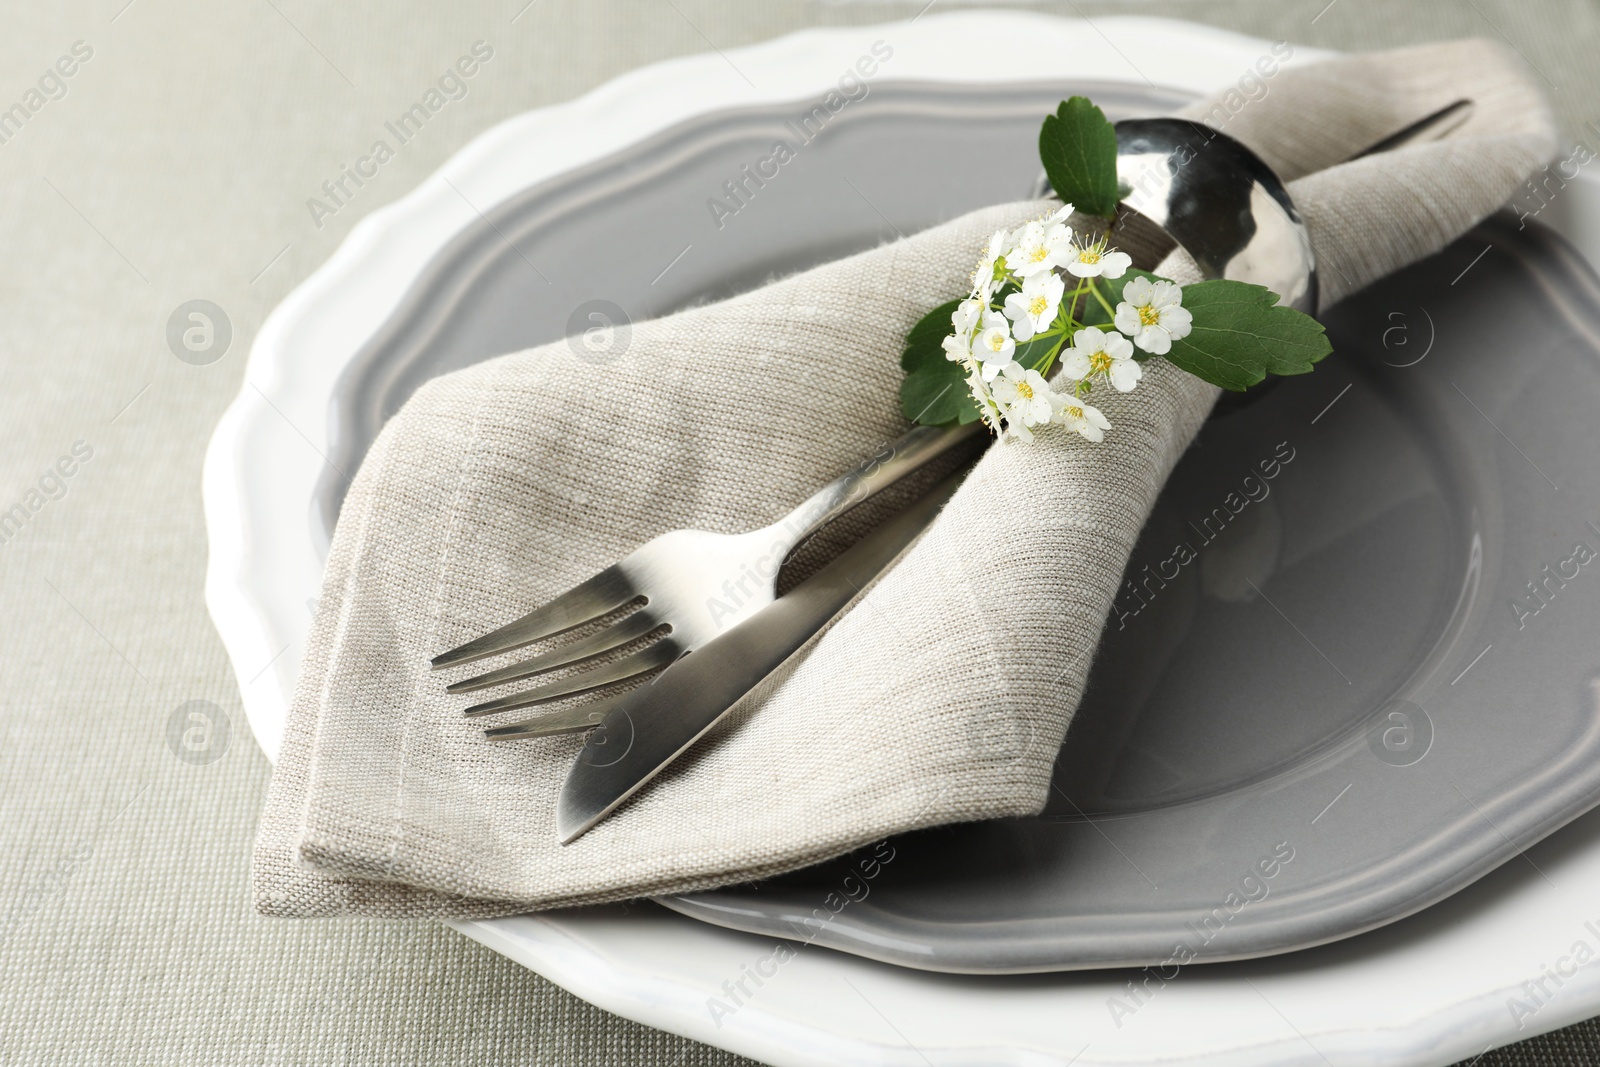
(645, 729)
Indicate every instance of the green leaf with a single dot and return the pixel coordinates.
(1079, 150)
(937, 396)
(1240, 335)
(935, 390)
(924, 342)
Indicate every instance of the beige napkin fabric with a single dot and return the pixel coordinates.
(498, 487)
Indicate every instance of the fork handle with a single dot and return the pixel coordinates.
(893, 461)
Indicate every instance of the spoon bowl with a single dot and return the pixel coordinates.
(1220, 202)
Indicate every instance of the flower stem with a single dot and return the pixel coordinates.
(1095, 289)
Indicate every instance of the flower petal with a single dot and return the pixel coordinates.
(1074, 364)
(1115, 264)
(1127, 317)
(1137, 291)
(1155, 340)
(1125, 374)
(1089, 339)
(1177, 321)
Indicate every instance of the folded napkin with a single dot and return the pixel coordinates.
(500, 486)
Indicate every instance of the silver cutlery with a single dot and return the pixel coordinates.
(646, 728)
(691, 585)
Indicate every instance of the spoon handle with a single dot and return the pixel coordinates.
(1429, 127)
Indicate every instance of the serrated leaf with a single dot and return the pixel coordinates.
(924, 342)
(1078, 147)
(1241, 334)
(937, 396)
(969, 407)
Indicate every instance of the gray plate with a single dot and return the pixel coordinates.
(1332, 716)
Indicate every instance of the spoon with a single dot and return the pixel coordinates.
(1216, 199)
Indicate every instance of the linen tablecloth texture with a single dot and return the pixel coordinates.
(500, 486)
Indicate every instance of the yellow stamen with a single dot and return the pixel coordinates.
(1100, 363)
(1038, 306)
(1024, 390)
(1089, 255)
(1149, 316)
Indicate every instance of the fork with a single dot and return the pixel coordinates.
(691, 585)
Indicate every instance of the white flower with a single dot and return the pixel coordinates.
(1094, 351)
(1081, 418)
(1024, 398)
(987, 407)
(957, 348)
(1063, 213)
(1039, 248)
(1152, 313)
(958, 345)
(965, 316)
(1096, 261)
(993, 347)
(983, 281)
(1032, 310)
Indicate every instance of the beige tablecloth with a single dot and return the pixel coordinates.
(174, 163)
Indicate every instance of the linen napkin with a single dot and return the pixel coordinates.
(502, 485)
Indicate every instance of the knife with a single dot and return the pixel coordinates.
(643, 730)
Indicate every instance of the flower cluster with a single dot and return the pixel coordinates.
(1020, 296)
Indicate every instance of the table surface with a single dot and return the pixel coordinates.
(175, 163)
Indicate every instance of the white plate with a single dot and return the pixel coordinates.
(1430, 990)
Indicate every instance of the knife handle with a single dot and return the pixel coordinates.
(912, 451)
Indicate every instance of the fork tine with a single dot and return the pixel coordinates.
(605, 592)
(565, 721)
(646, 659)
(634, 626)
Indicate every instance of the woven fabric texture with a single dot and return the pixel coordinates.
(178, 164)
